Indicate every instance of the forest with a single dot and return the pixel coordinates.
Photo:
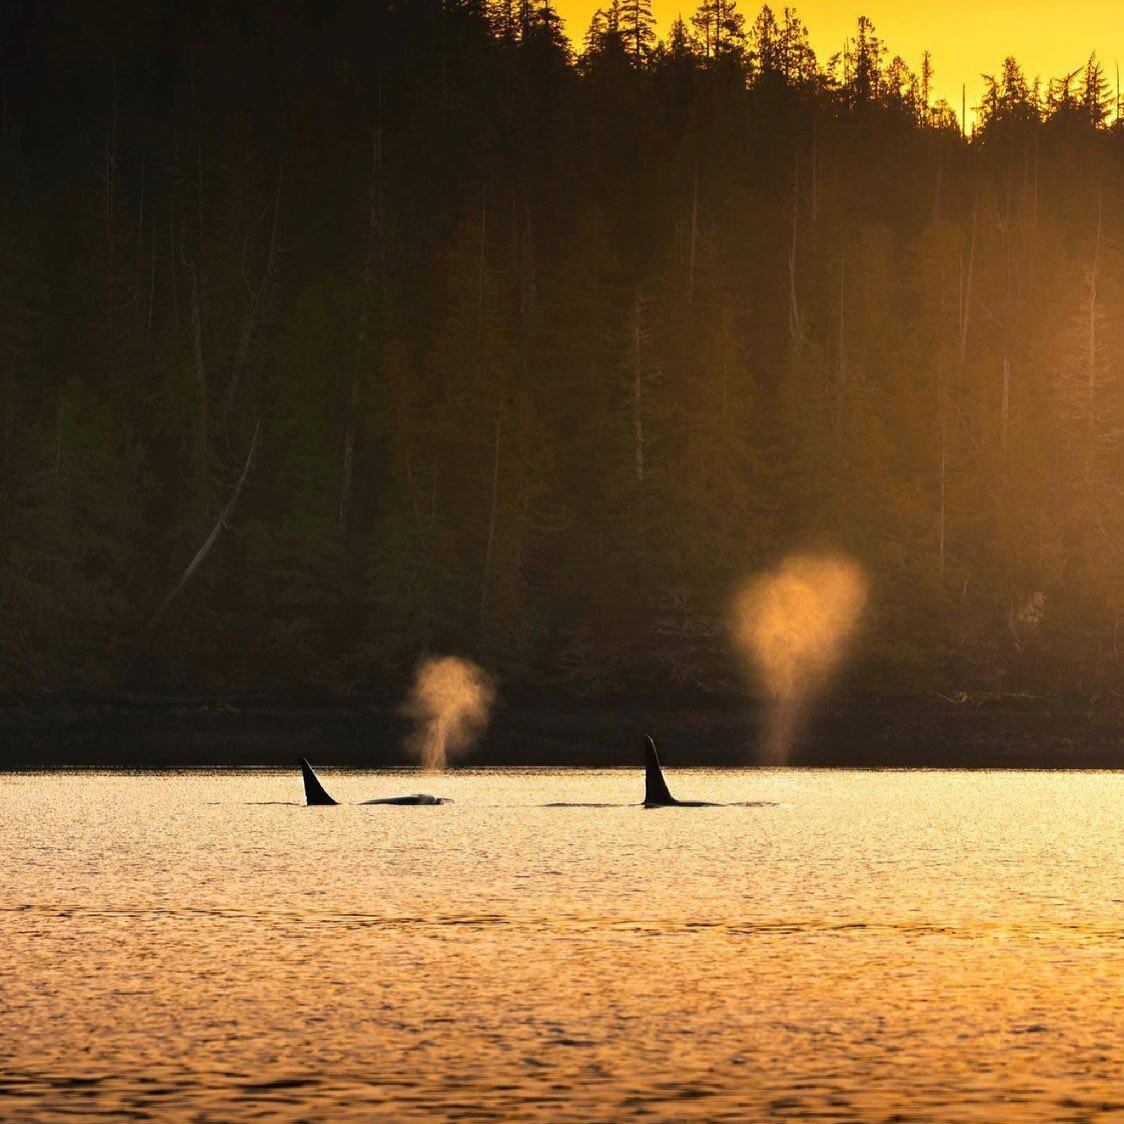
(332, 334)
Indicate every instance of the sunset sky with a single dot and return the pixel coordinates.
(966, 37)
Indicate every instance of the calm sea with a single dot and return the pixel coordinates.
(874, 946)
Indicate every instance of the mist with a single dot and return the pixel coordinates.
(793, 626)
(449, 705)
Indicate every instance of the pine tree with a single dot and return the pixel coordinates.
(1095, 99)
(637, 28)
(719, 28)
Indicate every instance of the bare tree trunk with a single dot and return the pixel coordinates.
(109, 199)
(637, 395)
(198, 294)
(482, 287)
(815, 178)
(199, 191)
(1092, 358)
(249, 326)
(943, 478)
(348, 458)
(937, 191)
(201, 435)
(966, 295)
(793, 304)
(725, 368)
(841, 365)
(694, 239)
(1008, 317)
(212, 538)
(174, 257)
(140, 211)
(361, 334)
(58, 439)
(1034, 211)
(1005, 408)
(7, 459)
(415, 502)
(152, 283)
(528, 276)
(485, 584)
(964, 307)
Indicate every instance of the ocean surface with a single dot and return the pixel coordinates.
(871, 946)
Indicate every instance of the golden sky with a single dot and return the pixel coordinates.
(966, 37)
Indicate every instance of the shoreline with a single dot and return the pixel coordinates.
(164, 731)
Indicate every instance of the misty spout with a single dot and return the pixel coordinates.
(449, 706)
(793, 626)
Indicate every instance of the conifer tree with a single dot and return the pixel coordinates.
(637, 27)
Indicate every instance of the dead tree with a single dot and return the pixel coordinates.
(374, 225)
(222, 522)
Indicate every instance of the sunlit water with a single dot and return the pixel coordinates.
(877, 945)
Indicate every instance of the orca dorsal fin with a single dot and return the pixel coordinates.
(655, 787)
(314, 792)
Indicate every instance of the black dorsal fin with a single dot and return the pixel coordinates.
(655, 787)
(313, 790)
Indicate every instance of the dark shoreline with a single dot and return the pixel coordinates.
(154, 731)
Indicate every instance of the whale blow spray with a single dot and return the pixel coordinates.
(449, 706)
(792, 625)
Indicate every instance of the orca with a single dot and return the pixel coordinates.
(316, 794)
(656, 792)
(314, 791)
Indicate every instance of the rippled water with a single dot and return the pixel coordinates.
(877, 945)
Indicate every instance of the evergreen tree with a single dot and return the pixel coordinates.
(719, 28)
(536, 356)
(637, 28)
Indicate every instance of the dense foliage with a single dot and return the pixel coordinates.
(533, 352)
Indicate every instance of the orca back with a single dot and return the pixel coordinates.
(655, 787)
(413, 798)
(314, 792)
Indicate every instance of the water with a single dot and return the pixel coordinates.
(878, 945)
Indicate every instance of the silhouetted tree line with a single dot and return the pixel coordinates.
(413, 327)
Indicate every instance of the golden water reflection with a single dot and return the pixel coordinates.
(932, 945)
